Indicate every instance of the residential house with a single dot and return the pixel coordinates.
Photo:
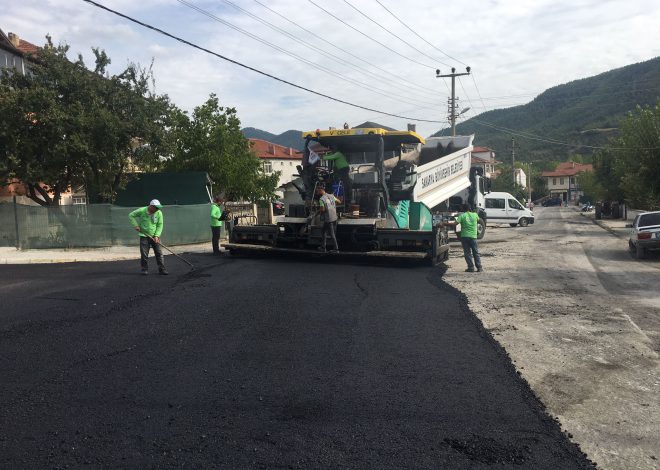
(484, 158)
(277, 158)
(562, 182)
(520, 177)
(15, 52)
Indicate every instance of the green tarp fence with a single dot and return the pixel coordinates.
(97, 225)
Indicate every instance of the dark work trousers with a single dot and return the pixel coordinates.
(470, 248)
(215, 239)
(145, 243)
(329, 227)
(345, 179)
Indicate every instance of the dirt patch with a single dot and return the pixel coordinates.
(581, 322)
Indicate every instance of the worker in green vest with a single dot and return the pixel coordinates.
(341, 170)
(469, 221)
(148, 221)
(216, 224)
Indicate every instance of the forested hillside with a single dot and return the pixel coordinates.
(582, 112)
(291, 138)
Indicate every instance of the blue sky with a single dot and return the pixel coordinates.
(516, 50)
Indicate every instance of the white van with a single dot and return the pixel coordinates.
(503, 208)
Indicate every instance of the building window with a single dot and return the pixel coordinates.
(290, 163)
(281, 163)
(572, 181)
(267, 167)
(561, 181)
(77, 200)
(554, 181)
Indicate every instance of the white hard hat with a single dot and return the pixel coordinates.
(156, 203)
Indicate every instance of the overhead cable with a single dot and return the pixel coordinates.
(372, 39)
(345, 51)
(253, 69)
(365, 86)
(318, 50)
(416, 34)
(526, 135)
(393, 34)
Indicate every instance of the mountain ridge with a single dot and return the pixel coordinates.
(580, 113)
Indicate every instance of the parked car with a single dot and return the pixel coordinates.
(278, 208)
(503, 208)
(644, 234)
(555, 201)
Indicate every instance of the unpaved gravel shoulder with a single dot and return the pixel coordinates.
(581, 322)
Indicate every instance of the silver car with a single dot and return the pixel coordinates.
(644, 234)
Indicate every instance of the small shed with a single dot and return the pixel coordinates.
(187, 188)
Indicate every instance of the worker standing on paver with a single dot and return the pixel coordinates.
(469, 221)
(216, 224)
(341, 170)
(328, 209)
(148, 221)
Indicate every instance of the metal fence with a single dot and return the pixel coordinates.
(98, 225)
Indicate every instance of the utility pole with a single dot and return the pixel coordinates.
(452, 100)
(513, 159)
(529, 181)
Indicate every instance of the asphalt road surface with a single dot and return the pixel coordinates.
(258, 363)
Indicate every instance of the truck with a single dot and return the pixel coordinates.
(396, 178)
(474, 194)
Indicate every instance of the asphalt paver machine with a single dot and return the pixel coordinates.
(385, 210)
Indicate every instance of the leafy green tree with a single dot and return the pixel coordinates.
(211, 140)
(64, 125)
(640, 139)
(504, 183)
(590, 186)
(629, 168)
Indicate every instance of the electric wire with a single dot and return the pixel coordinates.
(416, 34)
(370, 38)
(393, 34)
(345, 51)
(338, 100)
(526, 135)
(316, 49)
(358, 83)
(248, 67)
(474, 80)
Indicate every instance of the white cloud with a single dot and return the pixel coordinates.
(513, 47)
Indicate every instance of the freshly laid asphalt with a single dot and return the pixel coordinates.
(258, 363)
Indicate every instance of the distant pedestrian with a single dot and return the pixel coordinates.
(216, 224)
(328, 209)
(148, 221)
(469, 221)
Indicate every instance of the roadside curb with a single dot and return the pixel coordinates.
(86, 256)
(603, 225)
(62, 260)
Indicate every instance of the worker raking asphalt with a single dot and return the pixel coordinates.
(259, 364)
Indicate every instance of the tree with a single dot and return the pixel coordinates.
(629, 167)
(590, 186)
(211, 141)
(506, 185)
(64, 125)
